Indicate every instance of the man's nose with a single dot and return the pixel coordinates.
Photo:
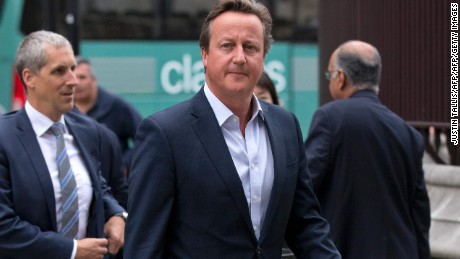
(72, 78)
(240, 56)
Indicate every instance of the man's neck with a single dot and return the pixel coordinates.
(243, 110)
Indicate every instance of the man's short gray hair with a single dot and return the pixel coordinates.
(31, 51)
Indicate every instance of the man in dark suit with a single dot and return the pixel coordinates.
(37, 144)
(223, 175)
(366, 164)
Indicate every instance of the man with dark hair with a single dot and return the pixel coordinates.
(265, 89)
(366, 164)
(223, 175)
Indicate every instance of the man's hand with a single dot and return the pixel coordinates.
(89, 248)
(114, 230)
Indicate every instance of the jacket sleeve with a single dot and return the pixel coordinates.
(130, 128)
(152, 189)
(421, 209)
(111, 165)
(111, 205)
(307, 231)
(317, 148)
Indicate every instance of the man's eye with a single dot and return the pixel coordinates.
(226, 45)
(59, 71)
(251, 48)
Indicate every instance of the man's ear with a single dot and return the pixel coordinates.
(342, 79)
(204, 58)
(29, 78)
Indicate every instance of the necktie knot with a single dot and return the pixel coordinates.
(57, 129)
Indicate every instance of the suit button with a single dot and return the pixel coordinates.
(258, 250)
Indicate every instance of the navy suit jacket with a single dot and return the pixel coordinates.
(110, 160)
(187, 201)
(366, 169)
(27, 203)
(120, 117)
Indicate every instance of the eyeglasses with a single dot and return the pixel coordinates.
(328, 74)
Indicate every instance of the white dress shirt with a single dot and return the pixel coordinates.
(47, 142)
(252, 155)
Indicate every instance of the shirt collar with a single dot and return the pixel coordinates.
(40, 122)
(222, 112)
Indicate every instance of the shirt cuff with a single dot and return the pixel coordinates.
(74, 250)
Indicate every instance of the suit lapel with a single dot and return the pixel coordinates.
(83, 141)
(210, 134)
(82, 137)
(26, 136)
(278, 148)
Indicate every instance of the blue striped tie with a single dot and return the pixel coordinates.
(69, 196)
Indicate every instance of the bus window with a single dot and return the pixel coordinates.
(43, 15)
(293, 20)
(143, 19)
(32, 16)
(1, 8)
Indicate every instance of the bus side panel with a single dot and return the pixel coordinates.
(10, 36)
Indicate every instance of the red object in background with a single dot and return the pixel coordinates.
(19, 93)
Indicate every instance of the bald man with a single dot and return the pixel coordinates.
(366, 164)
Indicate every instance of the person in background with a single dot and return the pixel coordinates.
(366, 164)
(106, 108)
(265, 89)
(223, 175)
(54, 203)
